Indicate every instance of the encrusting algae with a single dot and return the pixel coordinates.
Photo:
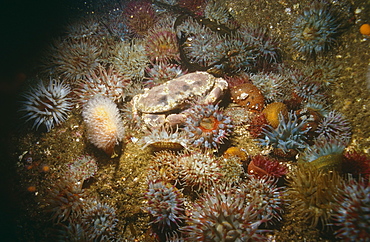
(266, 139)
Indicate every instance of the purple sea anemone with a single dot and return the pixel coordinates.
(161, 46)
(165, 205)
(140, 17)
(266, 196)
(352, 214)
(334, 127)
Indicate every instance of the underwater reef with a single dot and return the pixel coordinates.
(196, 120)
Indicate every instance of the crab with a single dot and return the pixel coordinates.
(167, 103)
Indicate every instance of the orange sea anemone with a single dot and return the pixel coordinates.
(236, 151)
(272, 111)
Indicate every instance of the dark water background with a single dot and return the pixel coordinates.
(25, 28)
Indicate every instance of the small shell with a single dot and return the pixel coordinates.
(249, 96)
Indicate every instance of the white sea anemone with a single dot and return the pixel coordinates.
(47, 105)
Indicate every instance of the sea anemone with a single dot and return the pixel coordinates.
(261, 166)
(195, 6)
(108, 82)
(206, 126)
(334, 126)
(324, 154)
(272, 112)
(223, 215)
(287, 136)
(319, 106)
(265, 195)
(140, 17)
(312, 193)
(161, 73)
(85, 27)
(273, 86)
(47, 105)
(104, 123)
(218, 13)
(82, 168)
(357, 163)
(72, 231)
(73, 59)
(65, 199)
(130, 59)
(239, 79)
(231, 169)
(264, 45)
(313, 119)
(161, 46)
(164, 166)
(240, 54)
(239, 115)
(352, 214)
(323, 71)
(165, 205)
(116, 25)
(99, 220)
(257, 124)
(307, 90)
(202, 46)
(199, 170)
(317, 29)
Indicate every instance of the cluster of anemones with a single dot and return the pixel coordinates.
(172, 177)
(226, 214)
(187, 197)
(72, 208)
